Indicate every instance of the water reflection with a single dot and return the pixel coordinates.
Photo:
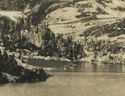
(106, 68)
(64, 66)
(118, 68)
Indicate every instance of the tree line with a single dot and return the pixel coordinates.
(60, 46)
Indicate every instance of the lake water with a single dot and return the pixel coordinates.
(64, 66)
(71, 84)
(81, 80)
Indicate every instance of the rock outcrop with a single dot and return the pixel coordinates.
(13, 70)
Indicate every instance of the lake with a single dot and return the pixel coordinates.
(77, 66)
(71, 84)
(81, 80)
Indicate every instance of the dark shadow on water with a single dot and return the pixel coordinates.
(3, 84)
(65, 66)
(21, 83)
(75, 67)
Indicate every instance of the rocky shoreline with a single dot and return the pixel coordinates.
(13, 70)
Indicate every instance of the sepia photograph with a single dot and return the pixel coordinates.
(62, 47)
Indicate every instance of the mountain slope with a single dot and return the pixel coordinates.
(87, 20)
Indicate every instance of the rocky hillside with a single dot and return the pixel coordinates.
(83, 19)
(19, 5)
(64, 16)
